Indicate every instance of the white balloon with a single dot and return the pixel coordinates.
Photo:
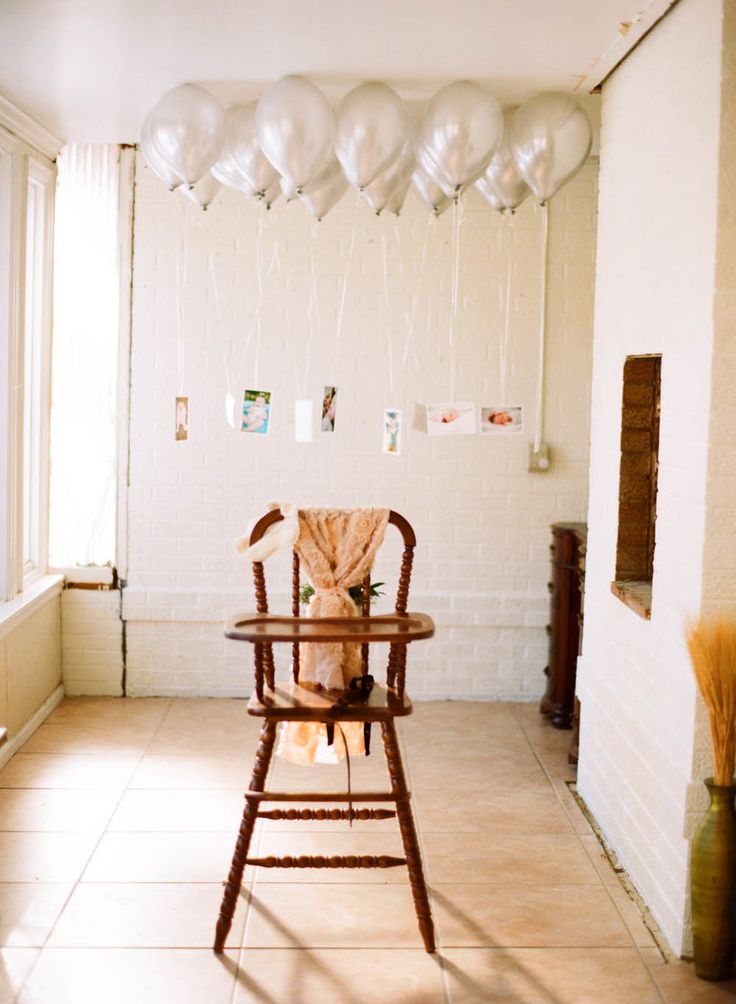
(272, 193)
(204, 191)
(289, 191)
(319, 203)
(327, 173)
(154, 159)
(390, 187)
(428, 190)
(459, 133)
(398, 196)
(228, 173)
(500, 183)
(187, 129)
(549, 140)
(295, 127)
(241, 143)
(370, 129)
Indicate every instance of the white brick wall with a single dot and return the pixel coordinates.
(482, 521)
(91, 642)
(654, 294)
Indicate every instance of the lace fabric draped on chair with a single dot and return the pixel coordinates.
(336, 548)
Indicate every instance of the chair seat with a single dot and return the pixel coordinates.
(291, 702)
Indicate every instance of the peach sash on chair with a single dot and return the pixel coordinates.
(336, 548)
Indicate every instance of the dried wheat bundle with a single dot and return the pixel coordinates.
(712, 646)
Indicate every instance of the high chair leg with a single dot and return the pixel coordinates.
(235, 878)
(408, 835)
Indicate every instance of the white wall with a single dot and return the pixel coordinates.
(482, 521)
(654, 294)
(92, 642)
(30, 663)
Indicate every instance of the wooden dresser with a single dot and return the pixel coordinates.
(565, 628)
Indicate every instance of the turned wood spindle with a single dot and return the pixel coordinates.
(247, 824)
(295, 609)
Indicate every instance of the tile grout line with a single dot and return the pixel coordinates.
(77, 881)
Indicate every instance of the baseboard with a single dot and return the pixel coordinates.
(12, 746)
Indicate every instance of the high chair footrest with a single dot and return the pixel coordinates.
(322, 861)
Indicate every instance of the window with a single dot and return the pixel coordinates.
(36, 369)
(26, 205)
(637, 493)
(85, 358)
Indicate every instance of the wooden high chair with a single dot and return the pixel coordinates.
(277, 703)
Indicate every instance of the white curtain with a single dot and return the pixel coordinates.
(84, 358)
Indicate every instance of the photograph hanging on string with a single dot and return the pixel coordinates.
(303, 421)
(392, 431)
(506, 418)
(256, 415)
(329, 409)
(451, 418)
(182, 419)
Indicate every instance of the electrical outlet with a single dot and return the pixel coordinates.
(539, 460)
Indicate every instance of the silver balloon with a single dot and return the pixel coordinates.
(319, 203)
(549, 139)
(327, 173)
(397, 198)
(429, 191)
(391, 186)
(370, 129)
(241, 143)
(228, 173)
(272, 193)
(204, 191)
(289, 191)
(295, 127)
(459, 133)
(500, 183)
(154, 159)
(187, 129)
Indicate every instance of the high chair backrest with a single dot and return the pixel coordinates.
(397, 653)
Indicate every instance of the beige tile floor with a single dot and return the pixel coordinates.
(117, 822)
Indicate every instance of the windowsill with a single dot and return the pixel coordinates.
(24, 605)
(637, 596)
(88, 576)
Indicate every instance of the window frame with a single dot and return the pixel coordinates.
(21, 165)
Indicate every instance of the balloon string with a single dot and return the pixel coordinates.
(179, 317)
(504, 342)
(390, 352)
(312, 313)
(341, 311)
(255, 328)
(456, 209)
(415, 296)
(539, 420)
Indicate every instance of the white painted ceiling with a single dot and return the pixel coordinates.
(90, 70)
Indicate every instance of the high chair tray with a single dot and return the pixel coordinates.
(398, 628)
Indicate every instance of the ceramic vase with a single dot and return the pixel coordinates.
(713, 885)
